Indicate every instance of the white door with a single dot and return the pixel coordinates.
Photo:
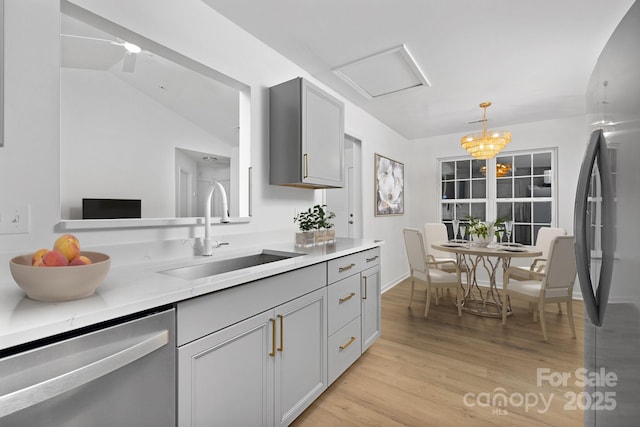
(346, 202)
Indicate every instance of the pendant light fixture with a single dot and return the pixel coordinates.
(488, 143)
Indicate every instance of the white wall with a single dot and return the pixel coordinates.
(569, 135)
(109, 150)
(29, 163)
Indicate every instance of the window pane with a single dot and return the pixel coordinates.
(504, 188)
(448, 190)
(541, 162)
(464, 191)
(536, 228)
(542, 212)
(522, 187)
(462, 169)
(522, 212)
(522, 165)
(477, 168)
(478, 210)
(462, 210)
(540, 189)
(522, 234)
(504, 166)
(447, 211)
(504, 211)
(479, 188)
(448, 170)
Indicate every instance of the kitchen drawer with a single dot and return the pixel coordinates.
(344, 302)
(346, 266)
(344, 349)
(206, 314)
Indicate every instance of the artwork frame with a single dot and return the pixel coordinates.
(388, 186)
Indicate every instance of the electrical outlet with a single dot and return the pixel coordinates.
(14, 219)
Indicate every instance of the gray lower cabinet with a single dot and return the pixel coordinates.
(261, 371)
(259, 354)
(371, 309)
(354, 308)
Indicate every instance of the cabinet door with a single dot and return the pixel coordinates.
(370, 281)
(301, 360)
(226, 378)
(322, 137)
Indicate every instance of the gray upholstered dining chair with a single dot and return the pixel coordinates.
(427, 272)
(555, 286)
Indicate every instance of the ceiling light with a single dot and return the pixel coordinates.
(132, 47)
(488, 143)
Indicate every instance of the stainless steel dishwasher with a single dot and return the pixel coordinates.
(121, 373)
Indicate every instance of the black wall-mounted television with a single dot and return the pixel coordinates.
(111, 208)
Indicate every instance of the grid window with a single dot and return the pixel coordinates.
(516, 187)
(464, 190)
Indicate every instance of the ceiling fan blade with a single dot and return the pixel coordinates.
(129, 62)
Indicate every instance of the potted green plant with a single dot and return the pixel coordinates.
(315, 226)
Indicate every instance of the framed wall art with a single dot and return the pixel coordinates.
(389, 186)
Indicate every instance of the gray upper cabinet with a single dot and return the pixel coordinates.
(306, 136)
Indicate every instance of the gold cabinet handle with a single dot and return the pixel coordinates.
(347, 298)
(348, 343)
(346, 267)
(281, 317)
(273, 338)
(306, 166)
(365, 288)
(372, 259)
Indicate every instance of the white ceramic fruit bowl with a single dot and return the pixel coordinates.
(60, 283)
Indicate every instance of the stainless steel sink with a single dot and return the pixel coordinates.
(197, 271)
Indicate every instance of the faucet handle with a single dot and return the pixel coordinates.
(217, 244)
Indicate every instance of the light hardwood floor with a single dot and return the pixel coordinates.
(419, 372)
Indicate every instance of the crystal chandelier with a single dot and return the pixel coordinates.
(488, 143)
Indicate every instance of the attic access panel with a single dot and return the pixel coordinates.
(383, 73)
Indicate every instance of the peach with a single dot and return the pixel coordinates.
(80, 260)
(68, 246)
(36, 259)
(54, 259)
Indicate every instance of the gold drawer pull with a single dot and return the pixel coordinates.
(346, 267)
(348, 343)
(273, 338)
(347, 298)
(281, 317)
(372, 259)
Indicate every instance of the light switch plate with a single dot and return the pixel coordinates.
(14, 219)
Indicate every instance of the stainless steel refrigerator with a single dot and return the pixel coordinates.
(607, 230)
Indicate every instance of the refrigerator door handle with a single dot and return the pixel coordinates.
(48, 389)
(595, 303)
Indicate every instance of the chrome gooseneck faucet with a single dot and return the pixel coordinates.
(208, 246)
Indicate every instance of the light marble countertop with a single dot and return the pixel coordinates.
(129, 289)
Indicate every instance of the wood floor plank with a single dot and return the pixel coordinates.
(450, 371)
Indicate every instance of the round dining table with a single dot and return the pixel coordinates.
(476, 300)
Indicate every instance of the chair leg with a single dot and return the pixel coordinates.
(542, 324)
(534, 308)
(412, 289)
(426, 309)
(570, 314)
(437, 296)
(504, 309)
(559, 308)
(459, 301)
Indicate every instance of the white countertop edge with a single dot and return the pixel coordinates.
(131, 289)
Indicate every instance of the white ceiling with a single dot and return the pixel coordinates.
(531, 59)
